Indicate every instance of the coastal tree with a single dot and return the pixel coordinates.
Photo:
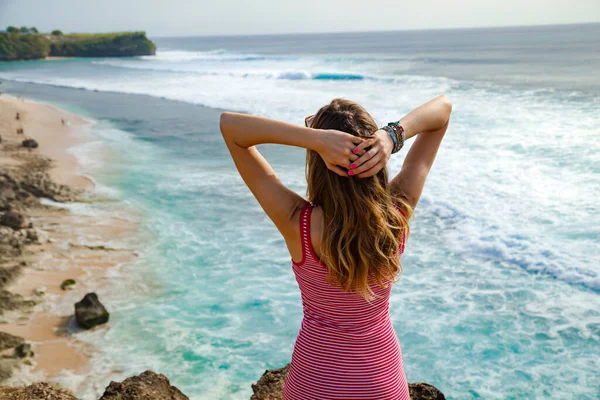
(24, 29)
(12, 29)
(56, 32)
(33, 29)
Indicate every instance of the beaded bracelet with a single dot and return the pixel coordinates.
(392, 134)
(399, 130)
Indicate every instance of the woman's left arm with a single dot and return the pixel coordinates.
(243, 132)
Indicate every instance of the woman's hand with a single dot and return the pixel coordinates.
(373, 160)
(337, 149)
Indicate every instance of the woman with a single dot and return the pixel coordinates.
(345, 242)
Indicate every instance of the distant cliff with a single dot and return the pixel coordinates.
(18, 45)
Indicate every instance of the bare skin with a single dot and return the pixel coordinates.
(341, 152)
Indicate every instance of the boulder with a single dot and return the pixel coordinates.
(89, 312)
(146, 386)
(270, 387)
(30, 143)
(424, 391)
(13, 220)
(23, 351)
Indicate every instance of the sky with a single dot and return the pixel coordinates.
(241, 17)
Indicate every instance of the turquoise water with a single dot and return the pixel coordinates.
(500, 297)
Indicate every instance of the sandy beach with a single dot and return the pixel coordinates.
(57, 245)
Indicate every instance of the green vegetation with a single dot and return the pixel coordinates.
(15, 46)
(27, 44)
(101, 45)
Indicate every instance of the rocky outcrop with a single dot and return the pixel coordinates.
(10, 363)
(13, 220)
(270, 387)
(146, 386)
(152, 386)
(8, 341)
(425, 391)
(89, 312)
(36, 391)
(12, 301)
(21, 188)
(9, 273)
(32, 45)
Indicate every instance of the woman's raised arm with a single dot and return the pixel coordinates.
(243, 132)
(430, 122)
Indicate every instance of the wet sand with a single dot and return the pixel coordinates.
(72, 247)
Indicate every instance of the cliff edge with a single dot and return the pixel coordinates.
(16, 46)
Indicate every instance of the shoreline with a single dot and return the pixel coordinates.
(63, 244)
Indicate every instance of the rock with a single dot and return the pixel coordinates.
(23, 351)
(68, 284)
(8, 274)
(146, 386)
(89, 312)
(270, 387)
(30, 143)
(36, 391)
(424, 391)
(36, 236)
(40, 291)
(12, 301)
(8, 341)
(13, 220)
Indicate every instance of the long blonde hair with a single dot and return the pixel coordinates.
(362, 228)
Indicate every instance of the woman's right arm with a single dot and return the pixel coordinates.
(429, 123)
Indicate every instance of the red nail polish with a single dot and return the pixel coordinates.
(350, 173)
(352, 166)
(355, 151)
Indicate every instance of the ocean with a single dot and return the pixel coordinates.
(500, 295)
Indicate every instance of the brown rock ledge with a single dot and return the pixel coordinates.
(270, 387)
(152, 386)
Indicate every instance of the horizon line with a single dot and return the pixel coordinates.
(373, 31)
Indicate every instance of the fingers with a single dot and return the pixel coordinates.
(356, 139)
(337, 170)
(360, 149)
(366, 157)
(373, 170)
(366, 165)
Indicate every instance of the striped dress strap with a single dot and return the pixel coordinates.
(307, 250)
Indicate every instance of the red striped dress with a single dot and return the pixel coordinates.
(347, 347)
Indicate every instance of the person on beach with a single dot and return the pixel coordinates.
(345, 242)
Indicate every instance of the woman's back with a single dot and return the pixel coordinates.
(347, 347)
